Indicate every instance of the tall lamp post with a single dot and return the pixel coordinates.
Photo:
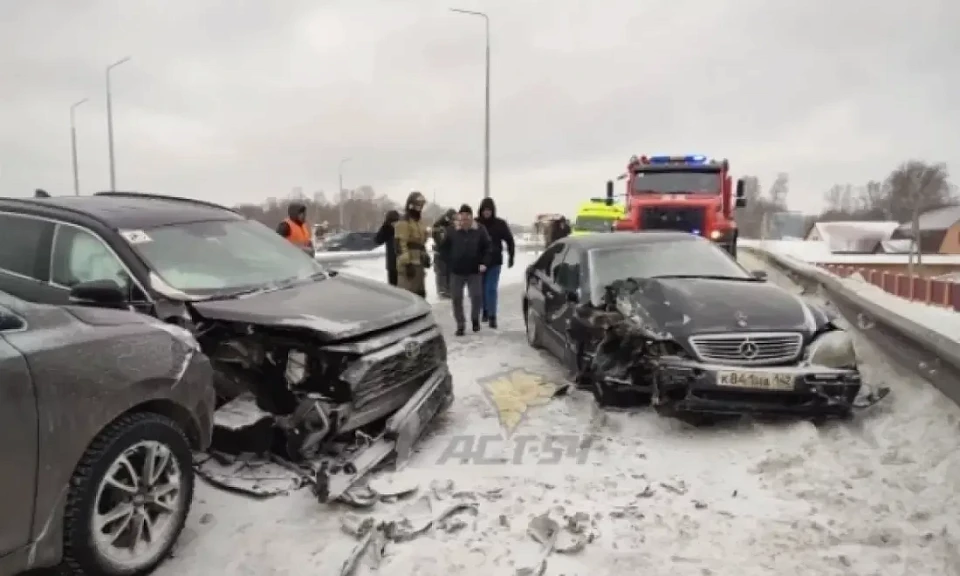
(486, 124)
(340, 196)
(73, 146)
(113, 169)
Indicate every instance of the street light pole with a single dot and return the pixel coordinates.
(113, 169)
(73, 146)
(486, 105)
(340, 197)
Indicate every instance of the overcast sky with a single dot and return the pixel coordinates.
(238, 101)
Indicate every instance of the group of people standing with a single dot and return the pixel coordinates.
(467, 255)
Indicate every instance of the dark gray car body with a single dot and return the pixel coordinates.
(65, 374)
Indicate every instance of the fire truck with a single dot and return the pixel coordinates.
(687, 193)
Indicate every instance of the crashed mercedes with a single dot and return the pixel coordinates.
(667, 318)
(329, 374)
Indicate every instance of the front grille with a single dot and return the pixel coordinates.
(386, 374)
(748, 349)
(682, 218)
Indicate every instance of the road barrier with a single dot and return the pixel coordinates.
(932, 354)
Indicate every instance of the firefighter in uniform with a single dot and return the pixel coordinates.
(440, 269)
(410, 238)
(295, 229)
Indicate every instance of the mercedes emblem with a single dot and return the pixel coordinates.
(748, 350)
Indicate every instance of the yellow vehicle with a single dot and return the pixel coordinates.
(596, 216)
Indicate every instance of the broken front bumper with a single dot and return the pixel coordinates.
(402, 431)
(688, 386)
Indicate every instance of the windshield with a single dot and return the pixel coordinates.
(677, 182)
(688, 258)
(593, 224)
(222, 257)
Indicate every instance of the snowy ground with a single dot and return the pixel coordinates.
(875, 496)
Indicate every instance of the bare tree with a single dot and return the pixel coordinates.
(779, 190)
(916, 186)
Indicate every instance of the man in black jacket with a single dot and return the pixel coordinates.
(466, 250)
(438, 231)
(385, 236)
(500, 234)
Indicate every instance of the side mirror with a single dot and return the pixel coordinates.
(741, 189)
(572, 296)
(759, 274)
(99, 293)
(741, 202)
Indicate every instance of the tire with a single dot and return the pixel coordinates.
(533, 329)
(128, 440)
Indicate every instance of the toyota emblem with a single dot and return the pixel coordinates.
(411, 348)
(749, 350)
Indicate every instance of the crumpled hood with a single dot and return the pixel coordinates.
(684, 307)
(336, 308)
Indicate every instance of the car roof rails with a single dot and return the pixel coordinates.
(146, 196)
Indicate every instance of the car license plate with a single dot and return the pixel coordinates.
(755, 380)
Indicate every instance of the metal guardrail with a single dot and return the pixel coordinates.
(933, 355)
(339, 257)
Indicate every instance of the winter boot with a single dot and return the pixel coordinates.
(476, 325)
(493, 322)
(460, 331)
(485, 317)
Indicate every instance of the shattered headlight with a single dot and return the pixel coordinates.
(296, 369)
(832, 349)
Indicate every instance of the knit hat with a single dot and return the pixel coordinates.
(466, 209)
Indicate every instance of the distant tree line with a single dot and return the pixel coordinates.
(909, 190)
(363, 209)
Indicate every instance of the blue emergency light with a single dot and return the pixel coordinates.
(691, 159)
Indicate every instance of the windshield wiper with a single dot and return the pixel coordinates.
(709, 277)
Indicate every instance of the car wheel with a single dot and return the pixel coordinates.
(533, 329)
(129, 498)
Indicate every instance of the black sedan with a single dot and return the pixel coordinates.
(670, 318)
(350, 242)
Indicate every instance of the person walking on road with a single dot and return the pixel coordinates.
(439, 232)
(410, 240)
(385, 238)
(466, 249)
(295, 229)
(500, 234)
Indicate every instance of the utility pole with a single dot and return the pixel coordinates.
(486, 117)
(340, 195)
(73, 146)
(113, 169)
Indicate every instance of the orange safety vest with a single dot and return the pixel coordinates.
(299, 233)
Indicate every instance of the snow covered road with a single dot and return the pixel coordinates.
(875, 496)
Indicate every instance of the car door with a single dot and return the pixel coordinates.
(18, 448)
(25, 258)
(539, 284)
(567, 281)
(554, 299)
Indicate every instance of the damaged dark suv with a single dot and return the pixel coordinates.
(306, 356)
(668, 318)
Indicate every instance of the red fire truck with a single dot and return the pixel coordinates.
(688, 193)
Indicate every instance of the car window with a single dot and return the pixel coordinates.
(545, 262)
(24, 241)
(567, 272)
(214, 257)
(80, 256)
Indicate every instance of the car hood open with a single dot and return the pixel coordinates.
(682, 307)
(336, 308)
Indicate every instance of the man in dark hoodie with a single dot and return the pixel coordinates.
(500, 234)
(410, 239)
(294, 228)
(384, 237)
(466, 251)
